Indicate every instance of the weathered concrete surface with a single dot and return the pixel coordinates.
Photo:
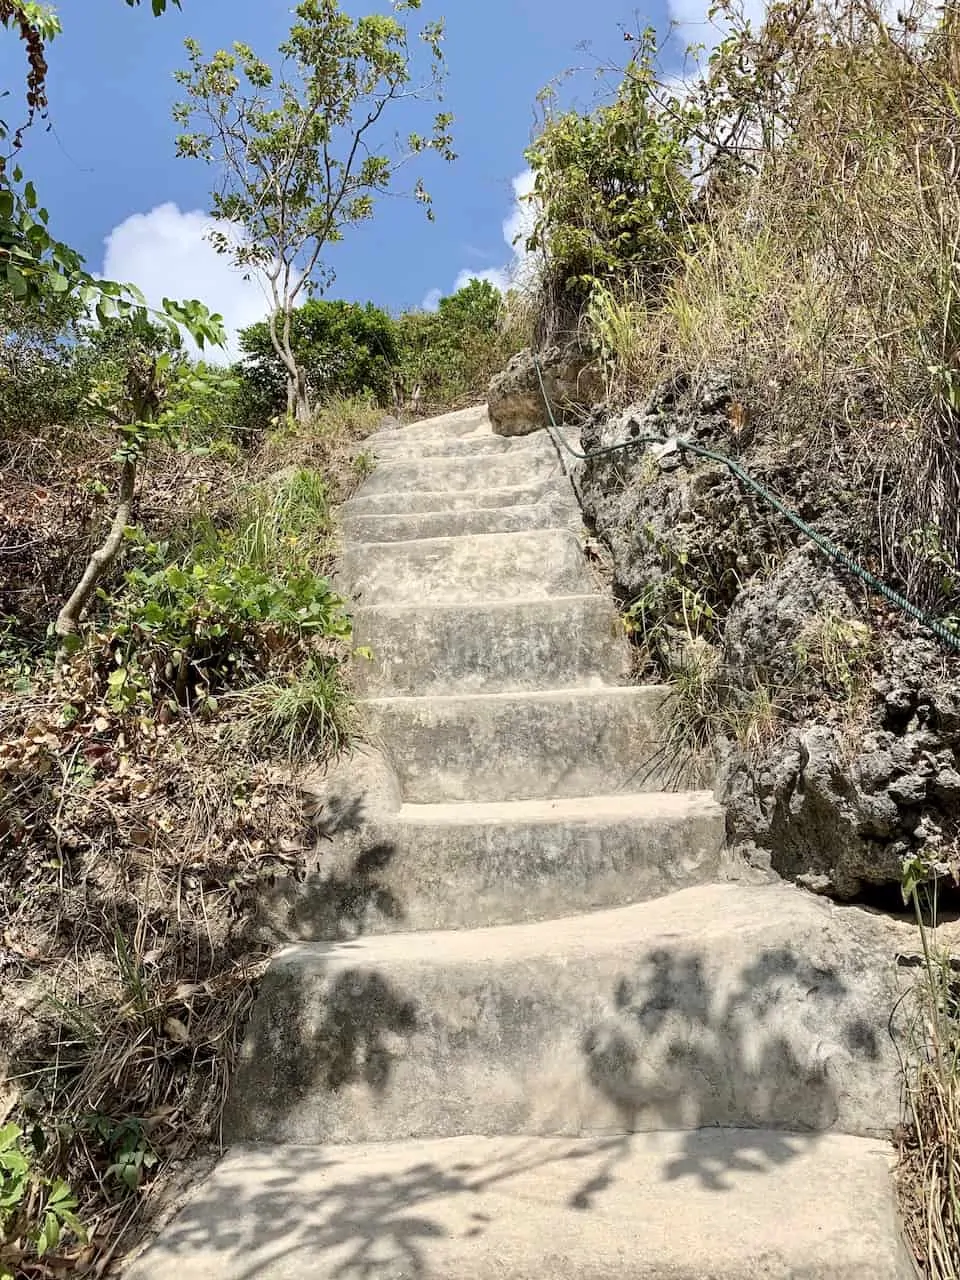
(514, 644)
(398, 448)
(718, 1205)
(448, 524)
(463, 866)
(431, 474)
(537, 564)
(369, 504)
(528, 746)
(722, 1005)
(462, 422)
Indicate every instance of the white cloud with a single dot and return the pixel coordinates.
(497, 276)
(166, 253)
(517, 227)
(694, 15)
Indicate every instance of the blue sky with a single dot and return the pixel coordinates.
(106, 169)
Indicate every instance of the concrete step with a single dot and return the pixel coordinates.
(462, 422)
(450, 524)
(378, 504)
(430, 475)
(464, 866)
(514, 644)
(716, 1205)
(481, 444)
(728, 1004)
(478, 568)
(527, 746)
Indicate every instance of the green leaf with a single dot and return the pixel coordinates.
(17, 282)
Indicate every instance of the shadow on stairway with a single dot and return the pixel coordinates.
(681, 1052)
(358, 1216)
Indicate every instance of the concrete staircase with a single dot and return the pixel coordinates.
(528, 1024)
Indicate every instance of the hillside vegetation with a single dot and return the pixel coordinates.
(764, 258)
(174, 660)
(152, 770)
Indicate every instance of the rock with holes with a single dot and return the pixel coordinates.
(516, 400)
(840, 733)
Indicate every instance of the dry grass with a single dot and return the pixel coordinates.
(136, 844)
(929, 1170)
(824, 277)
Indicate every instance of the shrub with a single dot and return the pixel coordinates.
(187, 631)
(345, 349)
(448, 357)
(612, 193)
(36, 1211)
(44, 372)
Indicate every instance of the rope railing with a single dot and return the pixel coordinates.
(830, 549)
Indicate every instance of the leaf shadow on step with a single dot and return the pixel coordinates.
(763, 1052)
(341, 1222)
(342, 903)
(291, 1051)
(341, 892)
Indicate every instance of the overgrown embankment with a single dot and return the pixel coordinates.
(764, 262)
(151, 768)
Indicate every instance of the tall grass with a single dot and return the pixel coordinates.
(820, 264)
(929, 1172)
(286, 521)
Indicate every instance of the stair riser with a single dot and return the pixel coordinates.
(741, 1028)
(411, 876)
(577, 743)
(554, 644)
(538, 564)
(442, 524)
(410, 503)
(431, 475)
(404, 449)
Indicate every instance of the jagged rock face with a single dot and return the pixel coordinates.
(515, 399)
(860, 768)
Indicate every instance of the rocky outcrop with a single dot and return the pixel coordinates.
(838, 728)
(515, 399)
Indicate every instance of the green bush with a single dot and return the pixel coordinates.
(36, 1212)
(612, 192)
(344, 348)
(449, 356)
(44, 369)
(186, 631)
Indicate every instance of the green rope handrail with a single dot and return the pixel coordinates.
(829, 548)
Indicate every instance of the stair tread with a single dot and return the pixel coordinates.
(554, 604)
(587, 809)
(693, 916)
(403, 501)
(715, 1204)
(624, 691)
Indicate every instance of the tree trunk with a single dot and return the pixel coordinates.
(68, 619)
(299, 407)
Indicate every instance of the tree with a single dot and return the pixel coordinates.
(141, 401)
(32, 261)
(298, 149)
(612, 193)
(343, 349)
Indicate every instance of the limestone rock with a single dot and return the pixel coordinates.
(864, 768)
(516, 401)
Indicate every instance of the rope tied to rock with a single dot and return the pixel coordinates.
(829, 548)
